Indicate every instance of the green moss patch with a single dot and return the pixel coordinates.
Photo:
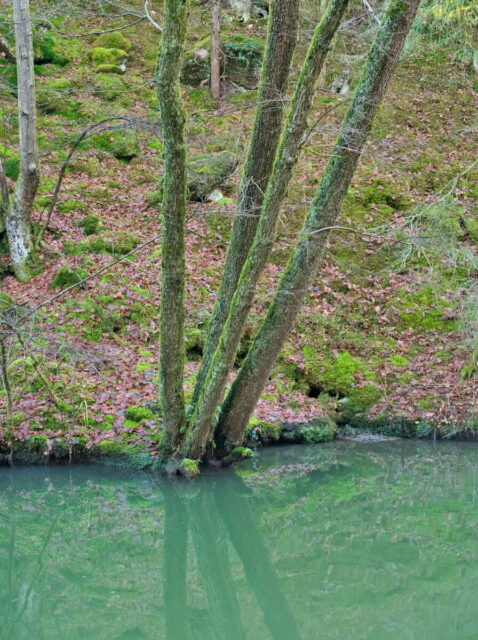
(68, 276)
(90, 225)
(108, 87)
(121, 245)
(113, 40)
(101, 55)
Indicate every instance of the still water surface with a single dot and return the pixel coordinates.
(349, 541)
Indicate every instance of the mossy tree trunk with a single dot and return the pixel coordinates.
(202, 422)
(281, 40)
(173, 217)
(18, 222)
(322, 216)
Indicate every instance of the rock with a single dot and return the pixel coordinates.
(242, 8)
(113, 40)
(111, 68)
(53, 94)
(215, 196)
(108, 87)
(241, 63)
(123, 145)
(196, 64)
(100, 56)
(207, 171)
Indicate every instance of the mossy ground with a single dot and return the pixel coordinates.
(373, 338)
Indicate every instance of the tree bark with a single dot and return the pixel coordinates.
(4, 196)
(301, 268)
(202, 421)
(23, 252)
(173, 214)
(216, 51)
(281, 40)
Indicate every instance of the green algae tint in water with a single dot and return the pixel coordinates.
(344, 541)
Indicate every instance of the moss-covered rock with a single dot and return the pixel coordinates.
(335, 375)
(197, 63)
(46, 50)
(111, 68)
(68, 276)
(320, 430)
(207, 171)
(263, 431)
(123, 145)
(113, 40)
(188, 468)
(136, 413)
(108, 87)
(122, 244)
(361, 399)
(53, 95)
(242, 61)
(102, 55)
(240, 65)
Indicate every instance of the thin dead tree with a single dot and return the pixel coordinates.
(216, 51)
(18, 209)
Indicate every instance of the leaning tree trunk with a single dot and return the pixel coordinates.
(202, 421)
(173, 212)
(302, 266)
(281, 39)
(18, 222)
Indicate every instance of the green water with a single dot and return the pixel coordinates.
(344, 541)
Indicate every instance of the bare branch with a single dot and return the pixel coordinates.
(150, 17)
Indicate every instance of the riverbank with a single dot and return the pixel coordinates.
(40, 450)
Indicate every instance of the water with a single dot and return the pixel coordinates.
(344, 541)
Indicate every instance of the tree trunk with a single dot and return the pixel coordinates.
(301, 268)
(216, 51)
(281, 39)
(202, 421)
(4, 196)
(18, 224)
(173, 210)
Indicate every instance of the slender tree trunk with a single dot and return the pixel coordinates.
(18, 224)
(301, 269)
(281, 40)
(202, 422)
(216, 51)
(4, 196)
(173, 212)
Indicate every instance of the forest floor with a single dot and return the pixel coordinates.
(387, 327)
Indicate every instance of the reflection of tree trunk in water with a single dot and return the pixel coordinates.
(174, 564)
(25, 603)
(234, 509)
(5, 630)
(209, 539)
